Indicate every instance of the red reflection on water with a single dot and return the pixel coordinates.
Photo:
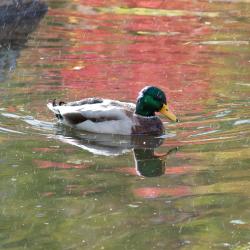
(45, 150)
(62, 165)
(114, 55)
(80, 190)
(154, 192)
(178, 170)
(12, 109)
(48, 194)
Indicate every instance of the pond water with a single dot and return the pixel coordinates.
(63, 189)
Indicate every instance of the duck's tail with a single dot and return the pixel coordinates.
(54, 107)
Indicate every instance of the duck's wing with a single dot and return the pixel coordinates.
(93, 100)
(92, 109)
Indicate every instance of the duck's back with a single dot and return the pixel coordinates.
(96, 115)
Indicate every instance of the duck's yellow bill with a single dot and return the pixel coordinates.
(166, 111)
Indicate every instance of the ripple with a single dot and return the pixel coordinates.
(10, 115)
(205, 133)
(155, 12)
(157, 33)
(10, 131)
(241, 122)
(238, 222)
(224, 43)
(38, 124)
(223, 113)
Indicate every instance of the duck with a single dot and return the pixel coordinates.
(106, 116)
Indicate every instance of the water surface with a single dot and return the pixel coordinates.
(63, 189)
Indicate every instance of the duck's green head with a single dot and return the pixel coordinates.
(152, 99)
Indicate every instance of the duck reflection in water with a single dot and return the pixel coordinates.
(148, 163)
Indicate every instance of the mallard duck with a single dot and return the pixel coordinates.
(107, 116)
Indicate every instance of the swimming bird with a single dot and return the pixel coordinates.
(107, 116)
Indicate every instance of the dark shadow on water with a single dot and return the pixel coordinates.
(16, 23)
(106, 144)
(148, 163)
(17, 11)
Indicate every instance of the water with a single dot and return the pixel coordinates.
(63, 189)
